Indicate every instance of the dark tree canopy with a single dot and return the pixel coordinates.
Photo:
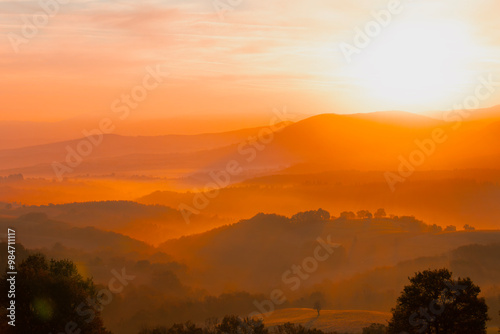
(46, 298)
(228, 325)
(231, 324)
(311, 216)
(375, 329)
(380, 213)
(364, 214)
(289, 328)
(348, 215)
(234, 324)
(435, 303)
(450, 228)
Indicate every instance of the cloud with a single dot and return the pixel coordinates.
(263, 43)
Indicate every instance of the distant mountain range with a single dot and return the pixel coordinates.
(373, 141)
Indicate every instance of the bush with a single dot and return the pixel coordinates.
(375, 329)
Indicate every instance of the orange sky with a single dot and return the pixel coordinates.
(262, 54)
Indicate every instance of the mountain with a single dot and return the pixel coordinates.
(400, 118)
(108, 146)
(362, 142)
(19, 134)
(373, 141)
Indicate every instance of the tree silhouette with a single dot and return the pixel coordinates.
(234, 324)
(364, 214)
(380, 213)
(47, 296)
(434, 303)
(467, 227)
(375, 329)
(311, 216)
(349, 215)
(231, 324)
(289, 328)
(317, 306)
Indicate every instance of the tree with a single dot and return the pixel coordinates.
(311, 216)
(234, 324)
(434, 228)
(450, 228)
(467, 227)
(435, 303)
(347, 215)
(380, 213)
(364, 214)
(375, 329)
(317, 306)
(47, 295)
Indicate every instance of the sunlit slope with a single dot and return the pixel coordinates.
(378, 141)
(362, 142)
(329, 320)
(343, 142)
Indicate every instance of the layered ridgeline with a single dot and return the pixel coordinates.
(152, 224)
(371, 141)
(439, 171)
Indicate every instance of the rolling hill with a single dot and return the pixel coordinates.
(36, 230)
(152, 224)
(273, 244)
(345, 321)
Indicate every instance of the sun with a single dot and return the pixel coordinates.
(416, 63)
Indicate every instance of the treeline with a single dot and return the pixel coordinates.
(12, 178)
(232, 324)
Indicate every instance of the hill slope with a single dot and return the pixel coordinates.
(148, 223)
(345, 321)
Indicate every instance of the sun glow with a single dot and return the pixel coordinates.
(417, 63)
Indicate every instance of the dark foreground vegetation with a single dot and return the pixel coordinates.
(232, 324)
(49, 294)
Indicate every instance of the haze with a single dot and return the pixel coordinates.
(290, 161)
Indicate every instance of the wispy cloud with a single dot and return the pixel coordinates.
(274, 44)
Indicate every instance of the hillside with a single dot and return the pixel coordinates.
(440, 197)
(345, 321)
(272, 244)
(36, 230)
(148, 223)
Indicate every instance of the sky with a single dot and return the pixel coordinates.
(244, 57)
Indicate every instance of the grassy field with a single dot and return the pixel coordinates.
(328, 320)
